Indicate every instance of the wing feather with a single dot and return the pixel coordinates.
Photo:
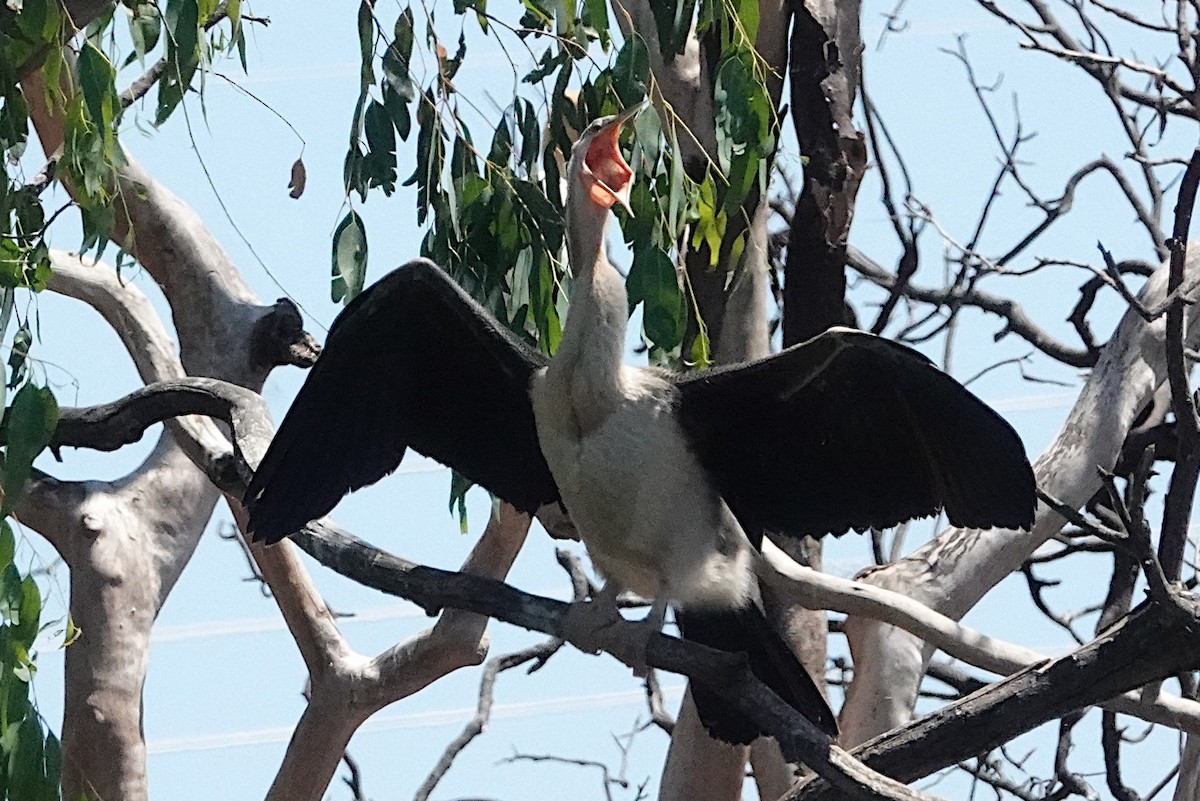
(851, 431)
(414, 362)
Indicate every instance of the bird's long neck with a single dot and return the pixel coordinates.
(593, 342)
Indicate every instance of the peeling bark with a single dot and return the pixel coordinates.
(825, 58)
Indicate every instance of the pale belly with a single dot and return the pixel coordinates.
(641, 502)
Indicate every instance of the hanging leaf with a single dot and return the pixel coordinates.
(349, 259)
(379, 164)
(298, 180)
(145, 27)
(366, 43)
(96, 82)
(183, 55)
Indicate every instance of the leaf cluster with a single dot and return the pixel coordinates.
(494, 207)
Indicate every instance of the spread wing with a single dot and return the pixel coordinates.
(850, 431)
(412, 362)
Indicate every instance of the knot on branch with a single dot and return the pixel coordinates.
(279, 338)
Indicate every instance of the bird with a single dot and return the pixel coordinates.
(671, 480)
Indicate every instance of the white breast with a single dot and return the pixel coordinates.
(643, 506)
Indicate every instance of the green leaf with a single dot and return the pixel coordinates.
(53, 761)
(379, 165)
(183, 55)
(653, 281)
(8, 544)
(145, 27)
(11, 595)
(462, 6)
(543, 300)
(551, 60)
(595, 20)
(542, 217)
(459, 484)
(398, 56)
(96, 77)
(31, 610)
(631, 71)
(18, 355)
(26, 770)
(397, 109)
(366, 43)
(29, 424)
(349, 259)
(701, 352)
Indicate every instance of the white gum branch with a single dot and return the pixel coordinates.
(953, 571)
(347, 687)
(124, 307)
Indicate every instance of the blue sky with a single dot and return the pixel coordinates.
(225, 681)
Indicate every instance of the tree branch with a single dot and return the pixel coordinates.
(1111, 664)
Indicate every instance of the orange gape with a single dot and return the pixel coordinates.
(606, 167)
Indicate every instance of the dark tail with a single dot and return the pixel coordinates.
(771, 660)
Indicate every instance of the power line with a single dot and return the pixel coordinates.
(413, 720)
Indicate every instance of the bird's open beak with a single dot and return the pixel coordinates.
(612, 177)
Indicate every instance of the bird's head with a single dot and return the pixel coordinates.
(599, 176)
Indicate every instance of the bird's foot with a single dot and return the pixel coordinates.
(597, 625)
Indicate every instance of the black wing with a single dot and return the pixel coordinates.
(411, 362)
(849, 431)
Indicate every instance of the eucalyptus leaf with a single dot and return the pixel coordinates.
(349, 259)
(29, 423)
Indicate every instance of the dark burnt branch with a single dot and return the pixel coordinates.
(606, 776)
(991, 772)
(1062, 205)
(483, 710)
(1137, 536)
(1131, 18)
(1015, 318)
(1069, 549)
(1110, 740)
(1008, 164)
(1070, 783)
(279, 338)
(1036, 587)
(1111, 664)
(1110, 277)
(110, 426)
(354, 780)
(1182, 490)
(956, 676)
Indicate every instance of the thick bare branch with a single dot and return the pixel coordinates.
(1109, 665)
